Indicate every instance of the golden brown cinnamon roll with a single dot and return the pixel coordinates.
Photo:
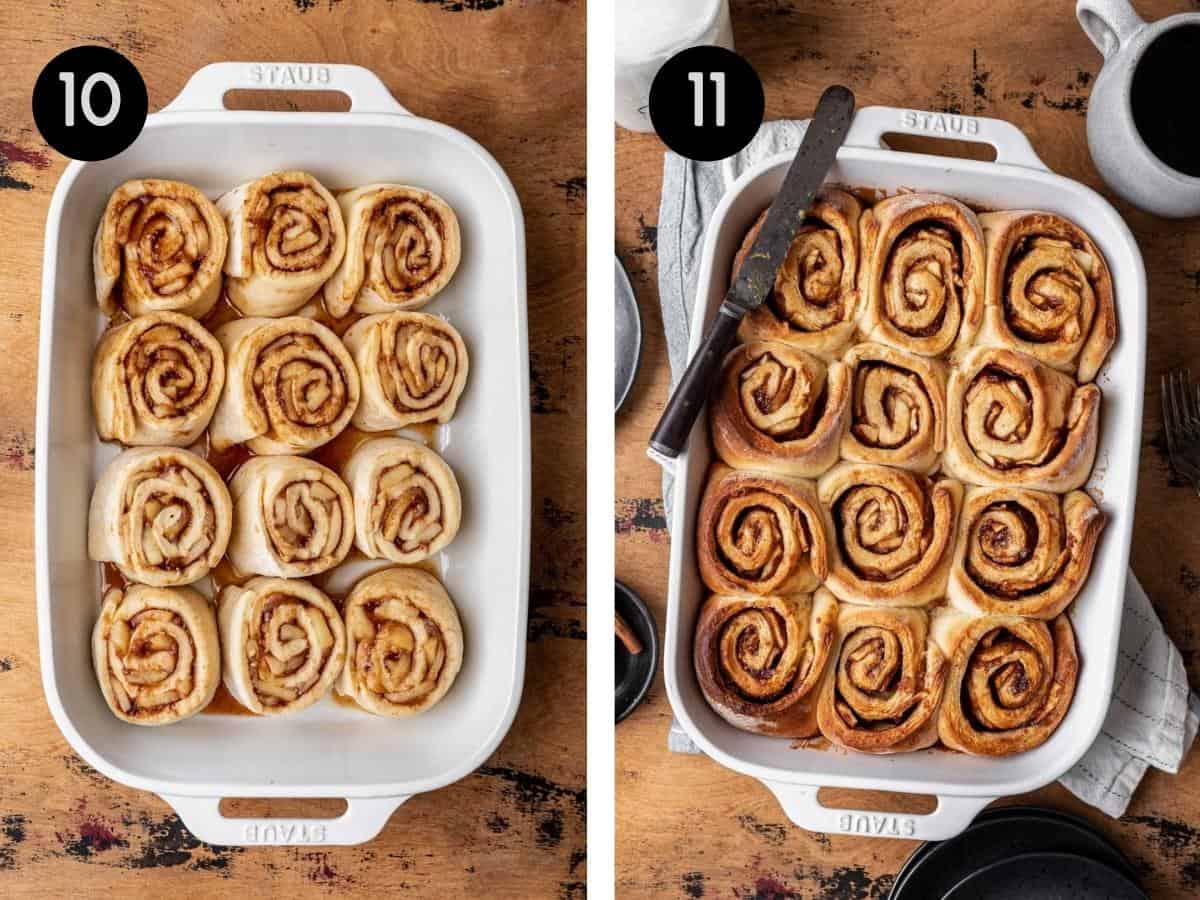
(292, 517)
(890, 534)
(1010, 684)
(759, 534)
(291, 386)
(815, 303)
(1049, 292)
(156, 380)
(286, 238)
(778, 409)
(413, 368)
(407, 505)
(156, 653)
(922, 276)
(402, 247)
(404, 642)
(897, 408)
(1012, 422)
(161, 514)
(1021, 552)
(885, 682)
(282, 642)
(759, 660)
(159, 248)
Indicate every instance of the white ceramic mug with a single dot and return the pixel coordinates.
(1121, 156)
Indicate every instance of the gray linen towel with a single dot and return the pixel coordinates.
(1153, 716)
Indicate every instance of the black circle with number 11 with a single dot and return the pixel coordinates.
(706, 103)
(90, 103)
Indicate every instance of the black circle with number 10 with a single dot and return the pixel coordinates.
(90, 103)
(706, 103)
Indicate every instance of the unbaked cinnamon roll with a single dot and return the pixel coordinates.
(291, 386)
(759, 534)
(286, 238)
(282, 642)
(897, 408)
(413, 368)
(407, 504)
(759, 660)
(404, 642)
(922, 276)
(292, 517)
(159, 248)
(815, 303)
(156, 380)
(162, 515)
(1049, 292)
(1012, 422)
(1021, 552)
(156, 653)
(402, 247)
(890, 534)
(885, 682)
(779, 409)
(1010, 684)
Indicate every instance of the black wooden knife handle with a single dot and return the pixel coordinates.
(680, 415)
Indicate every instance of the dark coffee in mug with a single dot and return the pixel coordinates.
(1165, 107)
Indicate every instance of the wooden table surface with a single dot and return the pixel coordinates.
(511, 76)
(688, 827)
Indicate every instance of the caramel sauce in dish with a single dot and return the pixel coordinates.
(224, 704)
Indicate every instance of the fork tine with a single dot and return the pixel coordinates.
(1170, 409)
(1168, 423)
(1187, 419)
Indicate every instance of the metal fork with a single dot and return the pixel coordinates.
(1181, 419)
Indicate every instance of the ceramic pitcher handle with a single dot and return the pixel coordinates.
(1109, 23)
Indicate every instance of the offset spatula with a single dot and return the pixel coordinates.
(756, 277)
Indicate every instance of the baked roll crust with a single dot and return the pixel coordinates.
(1010, 684)
(1049, 292)
(1013, 422)
(759, 660)
(890, 534)
(779, 409)
(760, 534)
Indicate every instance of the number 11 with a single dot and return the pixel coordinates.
(697, 80)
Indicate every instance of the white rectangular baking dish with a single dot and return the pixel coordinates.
(963, 784)
(328, 750)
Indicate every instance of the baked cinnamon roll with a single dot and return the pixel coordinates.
(407, 504)
(891, 534)
(779, 409)
(1012, 422)
(1021, 552)
(759, 660)
(922, 276)
(292, 517)
(402, 247)
(759, 534)
(156, 653)
(156, 380)
(159, 248)
(1010, 684)
(815, 302)
(282, 642)
(162, 515)
(286, 238)
(885, 682)
(404, 642)
(413, 368)
(291, 386)
(1049, 292)
(897, 408)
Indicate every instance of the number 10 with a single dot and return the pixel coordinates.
(697, 80)
(85, 98)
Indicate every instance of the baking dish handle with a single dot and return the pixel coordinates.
(206, 89)
(363, 819)
(803, 807)
(871, 123)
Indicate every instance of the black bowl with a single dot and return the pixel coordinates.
(635, 672)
